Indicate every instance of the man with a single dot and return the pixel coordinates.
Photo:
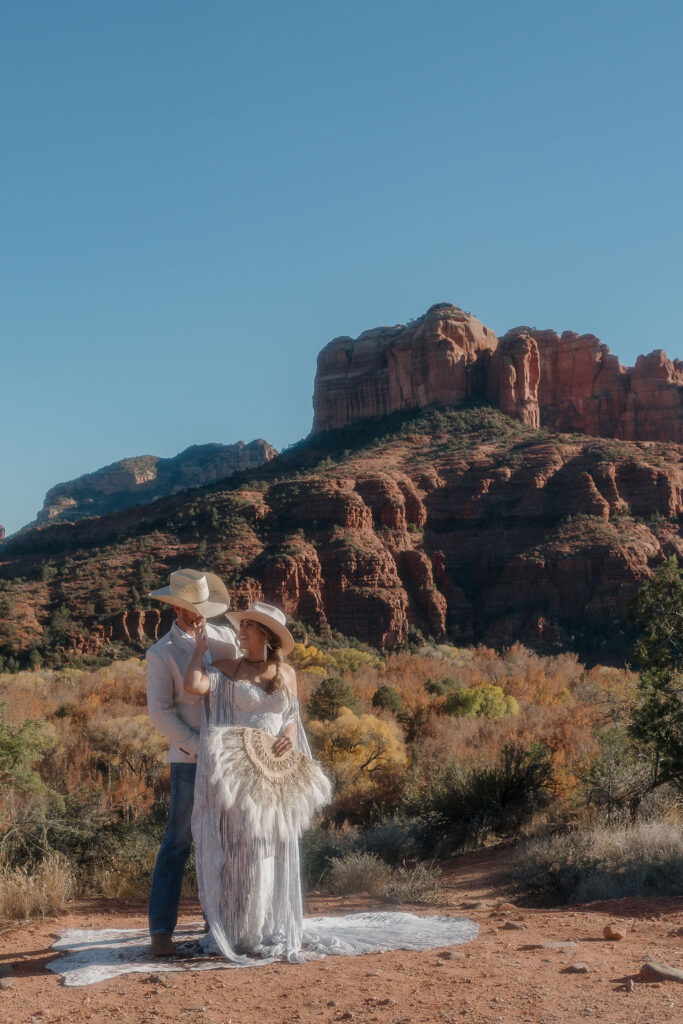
(176, 713)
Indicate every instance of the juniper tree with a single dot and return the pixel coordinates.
(657, 718)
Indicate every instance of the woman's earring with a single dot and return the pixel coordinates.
(265, 652)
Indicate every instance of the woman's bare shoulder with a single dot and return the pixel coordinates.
(289, 677)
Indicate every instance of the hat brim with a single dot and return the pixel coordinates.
(207, 609)
(286, 638)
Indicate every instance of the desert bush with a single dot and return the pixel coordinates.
(332, 695)
(319, 847)
(362, 872)
(481, 701)
(389, 698)
(601, 863)
(41, 889)
(391, 840)
(461, 804)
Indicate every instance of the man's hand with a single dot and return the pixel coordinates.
(199, 629)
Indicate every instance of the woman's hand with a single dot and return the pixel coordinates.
(200, 637)
(283, 745)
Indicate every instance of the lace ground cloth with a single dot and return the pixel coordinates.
(93, 956)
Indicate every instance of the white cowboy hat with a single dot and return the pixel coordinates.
(201, 592)
(267, 615)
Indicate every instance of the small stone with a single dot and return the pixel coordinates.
(629, 985)
(577, 968)
(6, 982)
(513, 926)
(346, 1015)
(660, 972)
(386, 1002)
(331, 1002)
(445, 954)
(613, 932)
(475, 905)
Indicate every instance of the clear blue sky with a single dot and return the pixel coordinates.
(196, 197)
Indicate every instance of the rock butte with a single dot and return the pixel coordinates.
(569, 383)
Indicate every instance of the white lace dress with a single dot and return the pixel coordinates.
(249, 887)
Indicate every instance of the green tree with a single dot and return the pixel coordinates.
(20, 747)
(331, 696)
(657, 718)
(389, 698)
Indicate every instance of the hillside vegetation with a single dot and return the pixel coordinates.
(459, 526)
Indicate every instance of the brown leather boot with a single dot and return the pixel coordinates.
(162, 945)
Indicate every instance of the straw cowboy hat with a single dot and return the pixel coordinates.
(200, 592)
(267, 615)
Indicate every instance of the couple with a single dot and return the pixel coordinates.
(242, 781)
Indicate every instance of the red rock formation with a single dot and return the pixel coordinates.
(439, 359)
(569, 383)
(513, 378)
(583, 388)
(2, 532)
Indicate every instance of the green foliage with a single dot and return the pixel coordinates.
(481, 701)
(440, 687)
(657, 719)
(389, 698)
(20, 748)
(331, 696)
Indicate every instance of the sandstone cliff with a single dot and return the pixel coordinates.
(439, 359)
(568, 383)
(465, 525)
(147, 478)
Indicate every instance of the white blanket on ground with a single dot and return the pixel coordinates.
(99, 955)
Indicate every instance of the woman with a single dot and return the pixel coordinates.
(246, 821)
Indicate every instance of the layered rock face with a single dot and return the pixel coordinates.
(583, 388)
(439, 359)
(496, 535)
(148, 477)
(2, 532)
(569, 383)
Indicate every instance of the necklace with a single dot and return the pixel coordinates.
(260, 661)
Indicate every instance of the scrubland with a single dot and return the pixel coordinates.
(431, 751)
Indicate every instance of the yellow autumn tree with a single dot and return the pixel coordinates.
(354, 745)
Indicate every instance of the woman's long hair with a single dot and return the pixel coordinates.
(276, 657)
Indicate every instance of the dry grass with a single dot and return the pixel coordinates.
(44, 890)
(601, 863)
(365, 872)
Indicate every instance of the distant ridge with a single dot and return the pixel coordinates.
(145, 478)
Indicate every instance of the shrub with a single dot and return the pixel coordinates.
(331, 696)
(642, 860)
(45, 888)
(462, 804)
(440, 687)
(319, 846)
(389, 698)
(482, 701)
(365, 872)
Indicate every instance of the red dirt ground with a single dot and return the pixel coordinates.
(490, 980)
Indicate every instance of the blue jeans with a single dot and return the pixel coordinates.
(167, 880)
